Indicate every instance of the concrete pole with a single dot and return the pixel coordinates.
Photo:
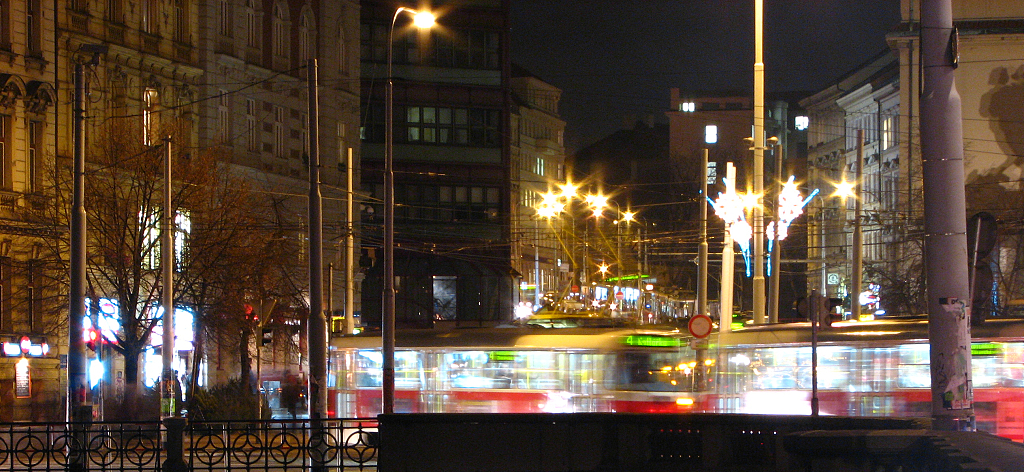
(78, 409)
(758, 227)
(857, 274)
(167, 396)
(773, 298)
(316, 324)
(728, 266)
(350, 247)
(536, 263)
(949, 298)
(702, 249)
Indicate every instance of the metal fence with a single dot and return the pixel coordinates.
(176, 444)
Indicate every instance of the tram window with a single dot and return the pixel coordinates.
(914, 370)
(652, 372)
(369, 368)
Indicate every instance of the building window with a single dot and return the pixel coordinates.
(279, 131)
(5, 295)
(35, 148)
(150, 119)
(711, 134)
(306, 41)
(342, 147)
(115, 11)
(150, 16)
(252, 26)
(688, 107)
(223, 117)
(180, 21)
(5, 24)
(34, 27)
(151, 225)
(889, 132)
(438, 125)
(251, 133)
(279, 33)
(539, 166)
(5, 151)
(34, 292)
(342, 52)
(224, 20)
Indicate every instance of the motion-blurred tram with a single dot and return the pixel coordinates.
(514, 370)
(878, 368)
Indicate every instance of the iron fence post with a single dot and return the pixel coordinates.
(174, 444)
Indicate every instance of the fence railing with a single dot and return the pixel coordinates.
(178, 445)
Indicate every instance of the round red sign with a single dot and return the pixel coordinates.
(700, 326)
(620, 295)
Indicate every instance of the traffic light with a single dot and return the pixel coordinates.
(92, 339)
(267, 336)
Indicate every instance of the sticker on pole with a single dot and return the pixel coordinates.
(700, 326)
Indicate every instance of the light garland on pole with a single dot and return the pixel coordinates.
(791, 205)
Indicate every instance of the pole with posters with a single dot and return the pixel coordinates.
(945, 222)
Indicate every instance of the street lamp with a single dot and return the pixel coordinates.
(421, 20)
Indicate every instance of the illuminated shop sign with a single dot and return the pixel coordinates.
(25, 347)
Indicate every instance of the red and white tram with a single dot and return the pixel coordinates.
(878, 368)
(514, 370)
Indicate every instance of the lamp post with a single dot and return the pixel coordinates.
(421, 20)
(759, 141)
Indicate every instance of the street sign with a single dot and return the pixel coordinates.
(620, 295)
(712, 174)
(700, 326)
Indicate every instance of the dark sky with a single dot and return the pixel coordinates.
(618, 58)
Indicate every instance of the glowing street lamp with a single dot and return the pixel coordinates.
(421, 19)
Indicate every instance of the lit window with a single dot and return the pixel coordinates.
(688, 107)
(711, 134)
(150, 122)
(801, 122)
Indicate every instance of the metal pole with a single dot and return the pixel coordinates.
(728, 266)
(702, 249)
(388, 319)
(167, 396)
(536, 263)
(812, 309)
(774, 295)
(857, 275)
(316, 325)
(78, 409)
(949, 298)
(350, 247)
(758, 226)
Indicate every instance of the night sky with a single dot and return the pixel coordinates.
(618, 58)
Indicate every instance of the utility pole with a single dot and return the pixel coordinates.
(702, 249)
(350, 247)
(167, 394)
(78, 408)
(949, 297)
(857, 277)
(316, 325)
(728, 266)
(758, 227)
(776, 261)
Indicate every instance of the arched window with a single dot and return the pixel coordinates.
(342, 51)
(252, 26)
(305, 38)
(279, 32)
